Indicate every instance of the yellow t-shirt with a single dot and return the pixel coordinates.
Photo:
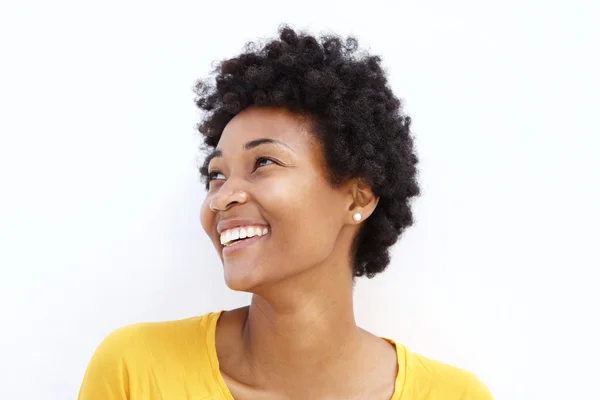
(178, 360)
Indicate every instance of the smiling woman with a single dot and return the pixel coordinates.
(269, 171)
(309, 180)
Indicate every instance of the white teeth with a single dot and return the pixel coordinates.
(231, 235)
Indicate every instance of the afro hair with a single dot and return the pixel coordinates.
(359, 122)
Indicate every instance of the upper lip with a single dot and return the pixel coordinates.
(234, 223)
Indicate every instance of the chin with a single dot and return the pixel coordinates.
(239, 285)
(240, 281)
(250, 281)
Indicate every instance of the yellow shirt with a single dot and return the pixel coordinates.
(178, 360)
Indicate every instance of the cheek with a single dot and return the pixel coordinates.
(306, 219)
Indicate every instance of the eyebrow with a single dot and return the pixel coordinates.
(250, 145)
(254, 143)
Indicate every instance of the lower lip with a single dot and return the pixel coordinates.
(228, 250)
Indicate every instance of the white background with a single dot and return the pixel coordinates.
(100, 194)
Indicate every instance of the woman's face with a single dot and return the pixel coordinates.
(268, 176)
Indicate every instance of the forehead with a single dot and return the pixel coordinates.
(271, 123)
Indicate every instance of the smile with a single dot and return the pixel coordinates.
(236, 246)
(233, 236)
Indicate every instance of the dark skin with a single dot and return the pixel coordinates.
(298, 339)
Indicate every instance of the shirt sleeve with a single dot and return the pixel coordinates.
(107, 377)
(476, 390)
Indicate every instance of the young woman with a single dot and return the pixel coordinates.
(309, 182)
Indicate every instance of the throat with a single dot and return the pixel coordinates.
(307, 342)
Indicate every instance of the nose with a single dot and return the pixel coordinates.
(224, 200)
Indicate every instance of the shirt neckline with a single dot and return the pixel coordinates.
(211, 331)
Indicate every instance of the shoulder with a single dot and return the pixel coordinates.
(146, 349)
(446, 381)
(135, 340)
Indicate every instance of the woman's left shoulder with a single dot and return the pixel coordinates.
(444, 380)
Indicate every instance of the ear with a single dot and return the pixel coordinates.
(363, 200)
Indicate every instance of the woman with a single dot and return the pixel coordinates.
(309, 180)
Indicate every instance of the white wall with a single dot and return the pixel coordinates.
(100, 196)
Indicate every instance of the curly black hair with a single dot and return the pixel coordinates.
(360, 123)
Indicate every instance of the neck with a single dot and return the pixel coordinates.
(300, 336)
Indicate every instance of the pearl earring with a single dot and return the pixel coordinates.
(357, 217)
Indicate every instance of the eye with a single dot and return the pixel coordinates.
(214, 175)
(263, 161)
